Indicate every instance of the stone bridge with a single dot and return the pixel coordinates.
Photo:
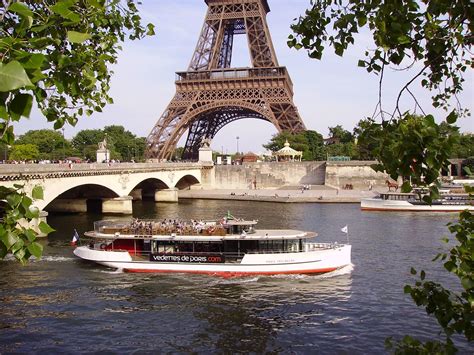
(107, 188)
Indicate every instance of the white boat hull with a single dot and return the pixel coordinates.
(377, 204)
(309, 262)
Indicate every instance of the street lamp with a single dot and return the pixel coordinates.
(106, 150)
(64, 152)
(237, 138)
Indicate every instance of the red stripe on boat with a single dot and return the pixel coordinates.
(236, 274)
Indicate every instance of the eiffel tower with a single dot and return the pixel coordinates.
(212, 94)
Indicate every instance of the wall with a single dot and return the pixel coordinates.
(269, 175)
(357, 173)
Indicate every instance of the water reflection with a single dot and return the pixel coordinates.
(62, 304)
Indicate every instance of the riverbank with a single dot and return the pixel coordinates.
(319, 194)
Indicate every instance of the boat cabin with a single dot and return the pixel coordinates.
(223, 240)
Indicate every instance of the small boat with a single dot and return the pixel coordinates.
(226, 247)
(411, 202)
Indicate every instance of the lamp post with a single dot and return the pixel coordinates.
(106, 150)
(64, 151)
(237, 138)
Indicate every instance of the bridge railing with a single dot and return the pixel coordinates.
(15, 169)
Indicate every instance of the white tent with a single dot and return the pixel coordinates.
(288, 154)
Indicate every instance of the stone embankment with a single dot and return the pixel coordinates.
(289, 194)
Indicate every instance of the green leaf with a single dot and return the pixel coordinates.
(37, 192)
(35, 249)
(452, 117)
(13, 76)
(412, 271)
(45, 228)
(151, 30)
(34, 61)
(20, 9)
(30, 235)
(467, 283)
(62, 8)
(77, 37)
(9, 239)
(21, 106)
(13, 199)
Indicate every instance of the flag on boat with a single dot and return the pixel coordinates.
(345, 229)
(75, 238)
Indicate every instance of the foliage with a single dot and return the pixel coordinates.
(51, 144)
(316, 149)
(309, 142)
(178, 153)
(24, 152)
(16, 235)
(436, 34)
(56, 53)
(86, 138)
(341, 134)
(413, 147)
(123, 142)
(464, 148)
(343, 149)
(362, 136)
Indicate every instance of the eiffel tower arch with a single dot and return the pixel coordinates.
(212, 94)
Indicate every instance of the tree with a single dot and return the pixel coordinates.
(465, 147)
(360, 134)
(123, 142)
(311, 143)
(51, 144)
(437, 36)
(340, 133)
(24, 152)
(55, 53)
(85, 139)
(316, 149)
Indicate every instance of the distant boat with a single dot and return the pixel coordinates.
(411, 202)
(226, 247)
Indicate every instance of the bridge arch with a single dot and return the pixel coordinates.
(186, 182)
(146, 188)
(79, 198)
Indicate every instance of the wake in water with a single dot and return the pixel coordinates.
(109, 271)
(346, 270)
(48, 258)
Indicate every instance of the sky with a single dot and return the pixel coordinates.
(330, 92)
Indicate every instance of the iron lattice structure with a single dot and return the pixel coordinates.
(211, 94)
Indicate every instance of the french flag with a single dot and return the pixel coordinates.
(75, 238)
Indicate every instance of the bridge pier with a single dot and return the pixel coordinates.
(136, 194)
(69, 205)
(166, 195)
(119, 205)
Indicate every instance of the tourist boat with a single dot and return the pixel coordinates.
(411, 202)
(227, 247)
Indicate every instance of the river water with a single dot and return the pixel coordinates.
(60, 304)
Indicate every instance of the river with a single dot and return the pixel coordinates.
(60, 304)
